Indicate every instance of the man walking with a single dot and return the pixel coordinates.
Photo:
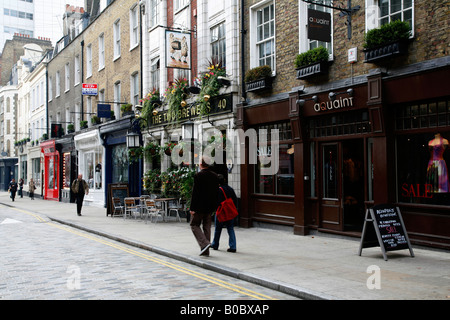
(13, 189)
(80, 188)
(203, 204)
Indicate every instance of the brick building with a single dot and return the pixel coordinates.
(352, 134)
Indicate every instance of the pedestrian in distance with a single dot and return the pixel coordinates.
(12, 188)
(80, 188)
(21, 187)
(203, 204)
(31, 188)
(227, 224)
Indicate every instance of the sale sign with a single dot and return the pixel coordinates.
(89, 89)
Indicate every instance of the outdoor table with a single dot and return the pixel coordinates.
(165, 202)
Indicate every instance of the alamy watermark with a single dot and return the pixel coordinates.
(260, 150)
(374, 280)
(74, 279)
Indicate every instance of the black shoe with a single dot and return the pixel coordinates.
(231, 250)
(205, 251)
(79, 214)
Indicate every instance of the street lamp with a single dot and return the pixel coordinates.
(133, 140)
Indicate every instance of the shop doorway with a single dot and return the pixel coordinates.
(342, 185)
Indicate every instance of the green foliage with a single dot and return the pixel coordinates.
(258, 73)
(318, 54)
(174, 95)
(209, 84)
(395, 31)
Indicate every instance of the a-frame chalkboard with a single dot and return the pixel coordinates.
(117, 190)
(388, 230)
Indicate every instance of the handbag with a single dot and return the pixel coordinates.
(226, 210)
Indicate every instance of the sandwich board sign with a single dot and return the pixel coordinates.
(388, 230)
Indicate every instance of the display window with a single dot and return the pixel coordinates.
(120, 163)
(282, 181)
(93, 169)
(422, 168)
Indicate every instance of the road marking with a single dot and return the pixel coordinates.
(8, 221)
(173, 266)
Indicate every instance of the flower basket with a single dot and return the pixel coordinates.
(168, 147)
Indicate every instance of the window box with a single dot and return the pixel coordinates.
(259, 85)
(314, 69)
(392, 49)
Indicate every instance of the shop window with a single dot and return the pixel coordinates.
(120, 163)
(282, 181)
(347, 123)
(93, 169)
(422, 168)
(66, 167)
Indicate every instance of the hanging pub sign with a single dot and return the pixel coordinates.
(178, 50)
(388, 230)
(319, 25)
(103, 110)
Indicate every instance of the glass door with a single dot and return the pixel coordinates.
(331, 189)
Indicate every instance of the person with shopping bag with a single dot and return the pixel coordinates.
(225, 215)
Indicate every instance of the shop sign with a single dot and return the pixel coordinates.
(216, 105)
(338, 103)
(319, 25)
(417, 190)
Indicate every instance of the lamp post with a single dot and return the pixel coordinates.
(188, 132)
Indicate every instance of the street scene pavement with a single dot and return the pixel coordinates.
(317, 266)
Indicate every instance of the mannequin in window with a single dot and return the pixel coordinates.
(437, 173)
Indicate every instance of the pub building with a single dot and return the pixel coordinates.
(348, 145)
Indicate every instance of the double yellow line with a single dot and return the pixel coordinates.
(173, 266)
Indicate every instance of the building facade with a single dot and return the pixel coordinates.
(356, 135)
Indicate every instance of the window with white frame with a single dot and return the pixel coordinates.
(218, 43)
(180, 4)
(262, 37)
(154, 13)
(380, 12)
(89, 108)
(306, 44)
(154, 71)
(134, 27)
(57, 84)
(101, 51)
(88, 61)
(117, 99)
(76, 70)
(116, 32)
(67, 77)
(50, 88)
(135, 88)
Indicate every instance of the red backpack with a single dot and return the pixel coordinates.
(226, 210)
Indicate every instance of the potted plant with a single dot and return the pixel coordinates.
(70, 128)
(312, 63)
(113, 117)
(127, 109)
(168, 147)
(174, 95)
(389, 40)
(210, 84)
(151, 150)
(83, 124)
(135, 154)
(259, 78)
(95, 120)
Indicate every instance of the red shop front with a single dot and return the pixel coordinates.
(51, 170)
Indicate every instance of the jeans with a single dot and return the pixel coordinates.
(231, 236)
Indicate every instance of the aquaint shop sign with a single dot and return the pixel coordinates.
(220, 104)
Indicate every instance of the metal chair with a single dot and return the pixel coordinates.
(118, 208)
(130, 207)
(151, 210)
(176, 205)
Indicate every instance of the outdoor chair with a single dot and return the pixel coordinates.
(131, 207)
(118, 208)
(151, 210)
(177, 206)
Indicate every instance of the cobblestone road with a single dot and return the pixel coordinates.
(41, 259)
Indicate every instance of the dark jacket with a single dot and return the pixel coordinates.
(13, 186)
(75, 186)
(204, 193)
(229, 192)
